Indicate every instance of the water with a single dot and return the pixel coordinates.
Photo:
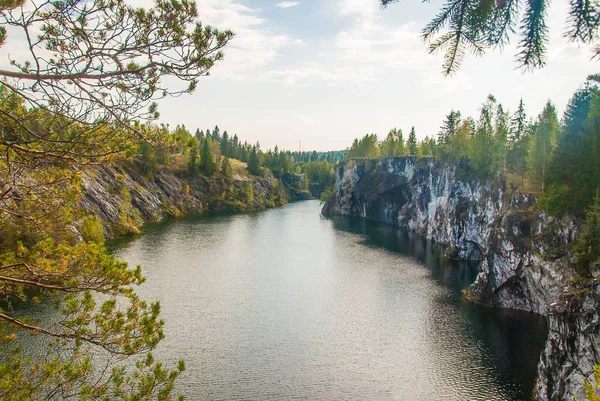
(284, 304)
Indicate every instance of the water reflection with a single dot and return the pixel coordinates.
(507, 341)
(286, 305)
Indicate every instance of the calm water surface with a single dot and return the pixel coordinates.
(284, 304)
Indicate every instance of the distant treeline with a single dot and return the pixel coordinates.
(211, 152)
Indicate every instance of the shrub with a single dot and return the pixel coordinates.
(92, 230)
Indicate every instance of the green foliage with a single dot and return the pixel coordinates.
(576, 162)
(483, 149)
(393, 145)
(249, 190)
(587, 247)
(449, 127)
(328, 196)
(89, 102)
(226, 168)
(542, 144)
(365, 147)
(254, 162)
(464, 26)
(516, 157)
(518, 123)
(87, 326)
(411, 144)
(207, 163)
(193, 166)
(92, 230)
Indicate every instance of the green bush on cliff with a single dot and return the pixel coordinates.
(92, 231)
(587, 247)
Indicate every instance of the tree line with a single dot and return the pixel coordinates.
(212, 152)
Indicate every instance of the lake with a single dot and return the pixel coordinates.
(284, 304)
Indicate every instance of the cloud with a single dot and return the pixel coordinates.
(287, 4)
(253, 46)
(367, 50)
(345, 8)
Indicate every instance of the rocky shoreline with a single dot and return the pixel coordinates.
(124, 199)
(526, 260)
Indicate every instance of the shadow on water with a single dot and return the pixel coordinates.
(513, 339)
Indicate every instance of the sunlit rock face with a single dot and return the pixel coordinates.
(122, 195)
(525, 256)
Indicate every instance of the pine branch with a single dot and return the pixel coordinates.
(535, 35)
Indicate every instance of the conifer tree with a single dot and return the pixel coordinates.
(543, 144)
(518, 123)
(254, 163)
(412, 144)
(226, 167)
(225, 144)
(587, 246)
(82, 91)
(482, 149)
(216, 134)
(463, 26)
(192, 168)
(449, 127)
(207, 164)
(501, 137)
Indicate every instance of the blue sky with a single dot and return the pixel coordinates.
(326, 71)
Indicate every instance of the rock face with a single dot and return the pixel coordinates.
(124, 199)
(524, 253)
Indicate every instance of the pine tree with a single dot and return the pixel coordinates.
(587, 247)
(400, 149)
(501, 137)
(225, 144)
(543, 144)
(518, 123)
(573, 174)
(226, 167)
(254, 163)
(192, 168)
(199, 134)
(216, 134)
(482, 149)
(235, 144)
(207, 164)
(412, 144)
(449, 127)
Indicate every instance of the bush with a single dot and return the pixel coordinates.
(556, 200)
(92, 230)
(587, 247)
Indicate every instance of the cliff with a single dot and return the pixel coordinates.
(526, 260)
(124, 199)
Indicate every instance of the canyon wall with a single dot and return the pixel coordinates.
(526, 258)
(124, 199)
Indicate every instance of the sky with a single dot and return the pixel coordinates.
(323, 72)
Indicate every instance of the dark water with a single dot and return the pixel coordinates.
(284, 305)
